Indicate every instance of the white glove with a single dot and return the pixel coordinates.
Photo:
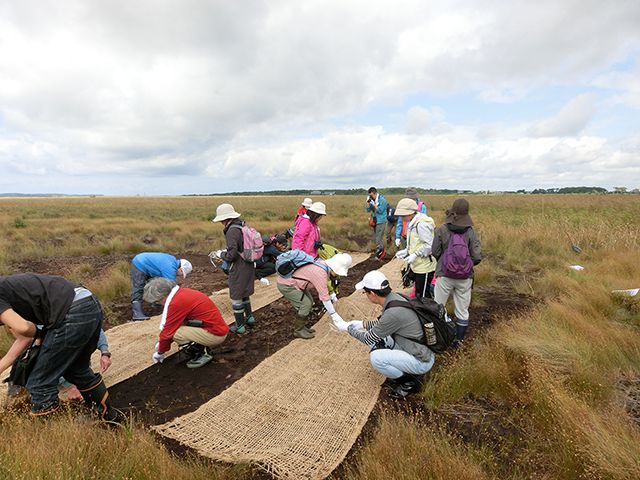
(158, 357)
(334, 297)
(397, 242)
(335, 316)
(264, 281)
(217, 253)
(358, 324)
(401, 253)
(411, 258)
(340, 324)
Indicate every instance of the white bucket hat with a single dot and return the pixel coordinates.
(374, 280)
(319, 208)
(307, 202)
(186, 267)
(406, 206)
(225, 212)
(340, 263)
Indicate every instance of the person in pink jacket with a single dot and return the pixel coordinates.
(307, 234)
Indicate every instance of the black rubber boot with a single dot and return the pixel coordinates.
(97, 398)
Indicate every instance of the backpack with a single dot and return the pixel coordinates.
(288, 262)
(391, 215)
(456, 261)
(253, 245)
(439, 329)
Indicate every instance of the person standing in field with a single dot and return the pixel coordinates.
(304, 206)
(377, 206)
(148, 265)
(457, 248)
(401, 224)
(417, 254)
(70, 318)
(396, 338)
(241, 272)
(314, 275)
(189, 318)
(307, 233)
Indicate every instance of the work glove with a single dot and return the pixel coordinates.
(411, 258)
(397, 242)
(317, 244)
(340, 324)
(401, 253)
(358, 324)
(334, 297)
(217, 253)
(158, 357)
(264, 281)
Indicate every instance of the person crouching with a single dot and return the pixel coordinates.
(188, 317)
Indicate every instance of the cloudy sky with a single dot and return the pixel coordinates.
(171, 97)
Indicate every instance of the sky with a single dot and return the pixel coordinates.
(158, 97)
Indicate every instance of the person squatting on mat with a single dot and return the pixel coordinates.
(396, 338)
(241, 272)
(273, 247)
(377, 205)
(457, 248)
(148, 265)
(306, 236)
(71, 319)
(418, 255)
(315, 275)
(189, 318)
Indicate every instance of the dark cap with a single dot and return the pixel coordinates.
(281, 238)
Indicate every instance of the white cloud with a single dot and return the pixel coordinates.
(571, 119)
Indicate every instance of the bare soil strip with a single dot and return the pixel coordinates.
(298, 413)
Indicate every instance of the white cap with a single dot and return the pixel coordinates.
(225, 212)
(307, 202)
(319, 208)
(340, 263)
(186, 267)
(374, 280)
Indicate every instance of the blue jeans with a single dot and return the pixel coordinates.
(138, 280)
(393, 363)
(66, 351)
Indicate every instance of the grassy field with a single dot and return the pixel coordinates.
(552, 393)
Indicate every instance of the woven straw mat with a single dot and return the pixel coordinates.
(298, 413)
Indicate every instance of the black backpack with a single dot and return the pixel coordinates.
(439, 329)
(391, 214)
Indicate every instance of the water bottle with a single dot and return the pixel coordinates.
(430, 333)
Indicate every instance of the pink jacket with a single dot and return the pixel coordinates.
(305, 235)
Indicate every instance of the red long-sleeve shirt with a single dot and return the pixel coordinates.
(188, 304)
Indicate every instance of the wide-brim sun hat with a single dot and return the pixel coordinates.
(225, 211)
(307, 202)
(458, 214)
(319, 208)
(373, 280)
(406, 206)
(340, 263)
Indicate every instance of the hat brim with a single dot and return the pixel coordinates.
(225, 216)
(404, 211)
(360, 285)
(459, 220)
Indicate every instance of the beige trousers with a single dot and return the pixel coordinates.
(186, 334)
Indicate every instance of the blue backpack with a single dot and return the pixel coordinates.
(289, 261)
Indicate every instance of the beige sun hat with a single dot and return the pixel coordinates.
(319, 208)
(406, 206)
(307, 202)
(340, 263)
(225, 212)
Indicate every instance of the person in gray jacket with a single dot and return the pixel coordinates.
(396, 338)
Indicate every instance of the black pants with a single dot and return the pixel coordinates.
(423, 281)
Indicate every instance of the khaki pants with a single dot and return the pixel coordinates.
(461, 289)
(186, 334)
(301, 301)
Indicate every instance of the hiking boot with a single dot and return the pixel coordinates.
(240, 330)
(251, 320)
(304, 334)
(404, 386)
(138, 313)
(381, 254)
(192, 350)
(200, 361)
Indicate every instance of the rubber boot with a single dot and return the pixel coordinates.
(238, 327)
(460, 332)
(309, 329)
(138, 313)
(299, 330)
(97, 398)
(248, 314)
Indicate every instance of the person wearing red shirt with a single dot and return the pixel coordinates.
(188, 317)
